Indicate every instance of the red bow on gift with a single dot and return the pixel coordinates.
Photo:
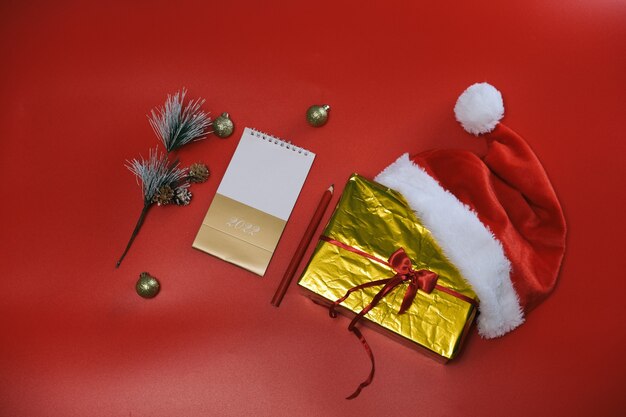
(422, 279)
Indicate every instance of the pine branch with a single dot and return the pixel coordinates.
(176, 125)
(154, 173)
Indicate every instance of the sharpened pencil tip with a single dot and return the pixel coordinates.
(331, 188)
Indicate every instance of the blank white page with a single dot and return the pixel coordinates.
(266, 173)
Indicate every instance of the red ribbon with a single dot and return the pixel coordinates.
(422, 279)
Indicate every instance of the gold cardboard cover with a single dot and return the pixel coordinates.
(239, 234)
(377, 220)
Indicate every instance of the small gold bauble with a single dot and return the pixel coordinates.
(317, 115)
(223, 126)
(147, 286)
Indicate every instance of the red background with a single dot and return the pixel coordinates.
(76, 82)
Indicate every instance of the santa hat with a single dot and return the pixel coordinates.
(497, 218)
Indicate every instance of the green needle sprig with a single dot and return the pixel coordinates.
(177, 124)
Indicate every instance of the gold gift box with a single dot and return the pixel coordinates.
(374, 219)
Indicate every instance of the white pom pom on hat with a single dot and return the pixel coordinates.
(479, 108)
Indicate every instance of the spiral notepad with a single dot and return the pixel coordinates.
(254, 200)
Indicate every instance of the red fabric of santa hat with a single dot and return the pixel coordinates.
(497, 217)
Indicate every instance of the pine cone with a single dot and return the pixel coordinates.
(198, 173)
(164, 195)
(182, 196)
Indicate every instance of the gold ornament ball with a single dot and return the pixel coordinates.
(317, 115)
(223, 126)
(147, 286)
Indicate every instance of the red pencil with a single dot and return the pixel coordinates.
(304, 243)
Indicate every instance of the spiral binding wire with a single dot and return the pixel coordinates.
(273, 139)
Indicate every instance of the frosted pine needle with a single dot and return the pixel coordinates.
(177, 124)
(154, 173)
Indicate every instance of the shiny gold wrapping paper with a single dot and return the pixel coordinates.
(377, 220)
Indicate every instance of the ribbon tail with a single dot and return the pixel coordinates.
(334, 305)
(370, 377)
(409, 296)
(389, 286)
